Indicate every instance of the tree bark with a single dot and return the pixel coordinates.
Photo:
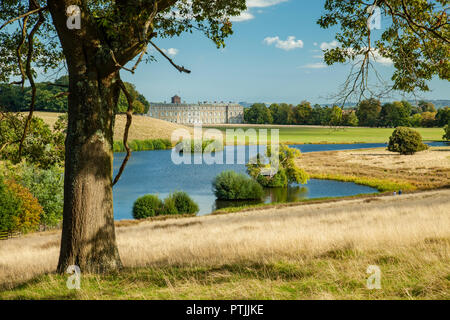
(88, 235)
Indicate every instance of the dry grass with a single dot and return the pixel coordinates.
(413, 229)
(142, 127)
(425, 170)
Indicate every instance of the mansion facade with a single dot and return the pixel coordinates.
(201, 113)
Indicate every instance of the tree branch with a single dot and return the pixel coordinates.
(30, 78)
(23, 16)
(179, 68)
(126, 131)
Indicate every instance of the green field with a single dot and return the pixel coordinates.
(303, 135)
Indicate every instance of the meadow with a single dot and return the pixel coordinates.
(144, 128)
(317, 134)
(382, 169)
(310, 251)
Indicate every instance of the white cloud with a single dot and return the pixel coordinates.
(318, 65)
(315, 44)
(247, 15)
(172, 52)
(380, 59)
(375, 54)
(263, 3)
(244, 16)
(329, 45)
(289, 44)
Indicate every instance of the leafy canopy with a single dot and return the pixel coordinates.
(126, 27)
(415, 35)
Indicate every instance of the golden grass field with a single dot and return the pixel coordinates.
(310, 251)
(424, 170)
(142, 127)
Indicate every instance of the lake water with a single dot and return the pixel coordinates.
(153, 172)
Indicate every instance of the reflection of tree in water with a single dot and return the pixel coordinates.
(273, 195)
(289, 194)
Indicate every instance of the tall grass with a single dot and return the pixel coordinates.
(329, 246)
(143, 145)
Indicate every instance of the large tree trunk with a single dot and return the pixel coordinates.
(88, 235)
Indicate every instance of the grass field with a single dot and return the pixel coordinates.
(382, 169)
(142, 128)
(305, 134)
(312, 251)
(149, 128)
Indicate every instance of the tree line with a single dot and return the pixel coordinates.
(368, 113)
(52, 97)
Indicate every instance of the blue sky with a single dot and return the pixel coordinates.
(274, 55)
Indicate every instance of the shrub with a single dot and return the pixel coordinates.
(148, 145)
(287, 171)
(19, 210)
(183, 203)
(446, 132)
(279, 180)
(47, 186)
(28, 217)
(158, 144)
(9, 207)
(118, 146)
(147, 206)
(169, 207)
(230, 185)
(406, 141)
(207, 146)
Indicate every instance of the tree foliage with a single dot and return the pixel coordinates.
(406, 141)
(230, 185)
(43, 147)
(447, 132)
(415, 36)
(287, 171)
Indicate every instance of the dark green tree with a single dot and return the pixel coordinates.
(443, 116)
(368, 112)
(395, 114)
(303, 113)
(258, 113)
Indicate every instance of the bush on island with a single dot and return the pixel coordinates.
(406, 141)
(287, 171)
(183, 203)
(147, 206)
(176, 203)
(230, 185)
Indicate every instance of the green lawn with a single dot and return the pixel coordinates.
(303, 135)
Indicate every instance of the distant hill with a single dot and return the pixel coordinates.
(142, 127)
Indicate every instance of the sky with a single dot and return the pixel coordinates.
(274, 55)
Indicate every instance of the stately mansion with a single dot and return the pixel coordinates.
(201, 113)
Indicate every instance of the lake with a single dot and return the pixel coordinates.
(153, 172)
